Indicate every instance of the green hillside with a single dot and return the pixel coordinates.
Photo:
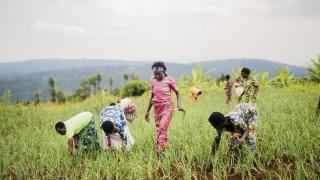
(25, 78)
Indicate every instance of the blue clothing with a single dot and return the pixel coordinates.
(115, 115)
(244, 116)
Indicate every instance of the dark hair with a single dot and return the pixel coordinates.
(107, 127)
(227, 77)
(216, 119)
(246, 70)
(60, 125)
(112, 104)
(159, 64)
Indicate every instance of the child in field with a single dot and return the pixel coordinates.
(114, 125)
(161, 87)
(228, 89)
(250, 85)
(81, 132)
(241, 122)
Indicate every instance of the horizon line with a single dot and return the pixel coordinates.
(149, 60)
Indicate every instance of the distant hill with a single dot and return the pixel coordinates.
(26, 77)
(33, 66)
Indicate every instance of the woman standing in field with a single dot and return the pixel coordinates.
(161, 86)
(251, 87)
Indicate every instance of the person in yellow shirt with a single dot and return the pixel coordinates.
(81, 132)
(194, 93)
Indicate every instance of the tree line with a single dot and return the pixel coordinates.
(133, 86)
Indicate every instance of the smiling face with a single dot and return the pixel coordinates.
(159, 75)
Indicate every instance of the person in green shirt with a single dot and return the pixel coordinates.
(81, 132)
(251, 87)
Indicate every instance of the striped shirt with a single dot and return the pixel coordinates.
(115, 115)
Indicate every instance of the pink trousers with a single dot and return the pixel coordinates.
(163, 115)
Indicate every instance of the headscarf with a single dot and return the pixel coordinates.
(129, 109)
(159, 69)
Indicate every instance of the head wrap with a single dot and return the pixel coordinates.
(158, 69)
(129, 109)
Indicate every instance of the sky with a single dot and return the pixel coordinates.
(286, 31)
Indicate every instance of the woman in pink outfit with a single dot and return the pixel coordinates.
(161, 86)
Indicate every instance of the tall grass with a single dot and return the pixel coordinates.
(288, 141)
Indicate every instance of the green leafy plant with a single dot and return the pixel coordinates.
(314, 69)
(134, 88)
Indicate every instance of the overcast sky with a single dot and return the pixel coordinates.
(171, 30)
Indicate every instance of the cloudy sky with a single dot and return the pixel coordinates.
(172, 30)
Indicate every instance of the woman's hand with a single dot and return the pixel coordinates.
(236, 136)
(241, 141)
(254, 96)
(180, 108)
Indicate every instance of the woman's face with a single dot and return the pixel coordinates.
(159, 75)
(62, 131)
(244, 75)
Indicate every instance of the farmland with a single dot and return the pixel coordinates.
(287, 144)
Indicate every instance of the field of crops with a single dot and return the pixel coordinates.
(288, 141)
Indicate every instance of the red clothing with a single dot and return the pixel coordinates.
(228, 91)
(163, 108)
(162, 90)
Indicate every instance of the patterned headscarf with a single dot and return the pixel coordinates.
(129, 109)
(158, 69)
